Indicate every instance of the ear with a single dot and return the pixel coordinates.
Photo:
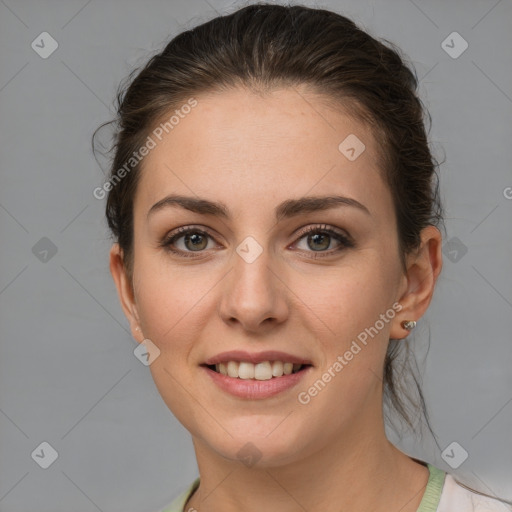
(417, 289)
(125, 290)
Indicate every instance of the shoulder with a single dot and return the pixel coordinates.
(455, 497)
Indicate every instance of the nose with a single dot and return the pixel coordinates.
(254, 295)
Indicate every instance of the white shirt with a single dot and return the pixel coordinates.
(456, 498)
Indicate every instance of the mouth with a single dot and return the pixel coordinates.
(263, 370)
(256, 375)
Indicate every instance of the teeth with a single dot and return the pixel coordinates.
(262, 371)
(277, 368)
(265, 370)
(233, 369)
(287, 368)
(246, 370)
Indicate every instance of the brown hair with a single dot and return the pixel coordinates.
(265, 46)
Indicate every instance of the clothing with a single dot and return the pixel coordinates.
(442, 494)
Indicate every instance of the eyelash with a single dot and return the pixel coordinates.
(345, 241)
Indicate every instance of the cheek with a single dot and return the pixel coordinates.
(166, 297)
(348, 298)
(172, 313)
(355, 304)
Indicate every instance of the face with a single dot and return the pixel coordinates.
(255, 279)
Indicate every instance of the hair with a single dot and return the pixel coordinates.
(262, 47)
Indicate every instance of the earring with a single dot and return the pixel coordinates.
(409, 325)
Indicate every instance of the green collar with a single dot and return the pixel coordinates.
(432, 494)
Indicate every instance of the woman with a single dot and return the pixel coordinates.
(276, 215)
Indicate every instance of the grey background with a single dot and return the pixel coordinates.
(68, 375)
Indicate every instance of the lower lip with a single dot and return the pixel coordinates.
(252, 389)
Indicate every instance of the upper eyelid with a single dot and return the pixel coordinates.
(184, 230)
(321, 227)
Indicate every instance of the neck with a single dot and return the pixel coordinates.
(367, 472)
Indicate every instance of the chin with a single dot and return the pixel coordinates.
(258, 445)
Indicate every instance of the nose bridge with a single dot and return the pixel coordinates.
(252, 293)
(252, 269)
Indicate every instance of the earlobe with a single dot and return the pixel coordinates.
(124, 289)
(423, 269)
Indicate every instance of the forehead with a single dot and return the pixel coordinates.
(237, 146)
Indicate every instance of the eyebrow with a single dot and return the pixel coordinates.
(287, 209)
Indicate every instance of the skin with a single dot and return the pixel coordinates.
(251, 152)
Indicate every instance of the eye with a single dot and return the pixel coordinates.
(194, 240)
(318, 239)
(185, 241)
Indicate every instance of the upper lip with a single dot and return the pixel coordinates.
(255, 357)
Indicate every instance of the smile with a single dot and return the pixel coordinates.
(264, 370)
